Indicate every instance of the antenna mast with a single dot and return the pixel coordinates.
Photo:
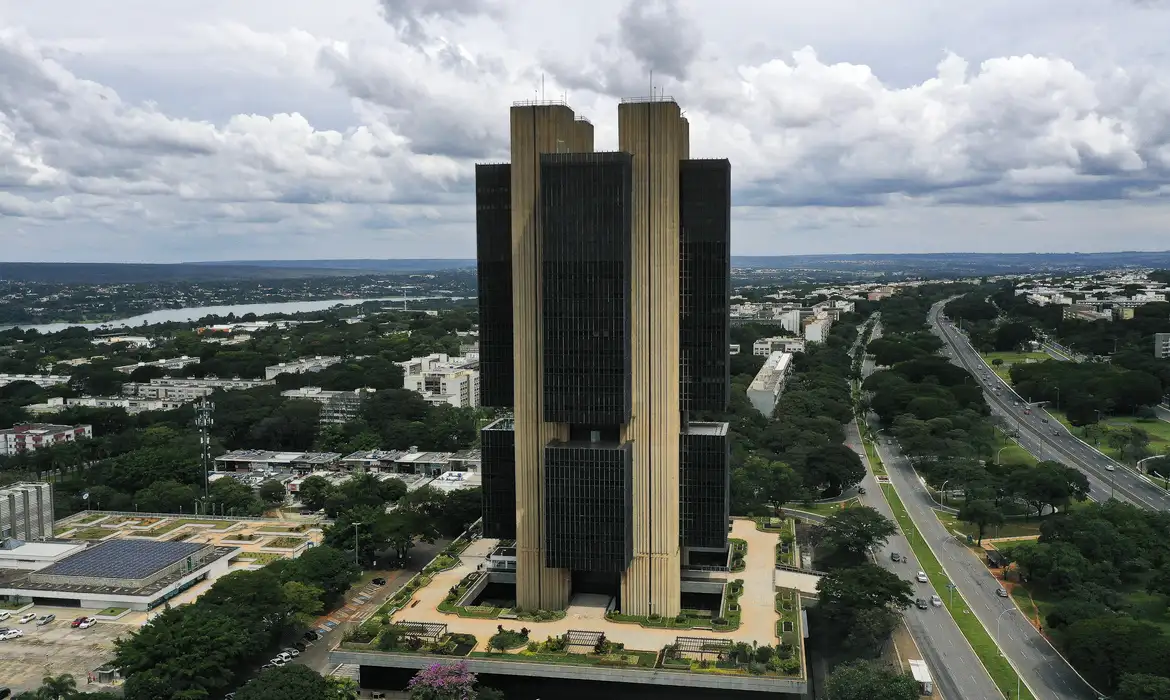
(204, 419)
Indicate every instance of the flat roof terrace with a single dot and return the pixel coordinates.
(765, 617)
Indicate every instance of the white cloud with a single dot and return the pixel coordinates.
(229, 130)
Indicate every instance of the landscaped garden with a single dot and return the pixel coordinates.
(409, 638)
(508, 639)
(584, 648)
(91, 533)
(738, 554)
(285, 542)
(727, 657)
(259, 558)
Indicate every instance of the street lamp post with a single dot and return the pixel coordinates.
(944, 491)
(1000, 452)
(998, 620)
(356, 546)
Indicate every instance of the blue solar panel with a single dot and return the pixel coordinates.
(126, 559)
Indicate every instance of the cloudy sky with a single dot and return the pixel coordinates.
(141, 130)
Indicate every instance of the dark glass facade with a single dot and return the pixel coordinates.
(585, 211)
(493, 229)
(498, 454)
(704, 485)
(705, 284)
(588, 500)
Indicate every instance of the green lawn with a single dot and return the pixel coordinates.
(981, 641)
(1158, 430)
(1016, 527)
(259, 557)
(176, 524)
(1012, 453)
(824, 509)
(91, 533)
(1011, 358)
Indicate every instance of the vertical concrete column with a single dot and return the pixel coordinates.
(655, 133)
(535, 129)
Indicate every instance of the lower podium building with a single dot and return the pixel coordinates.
(605, 564)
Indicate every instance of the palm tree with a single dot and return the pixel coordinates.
(57, 687)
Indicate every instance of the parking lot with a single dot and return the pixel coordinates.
(55, 648)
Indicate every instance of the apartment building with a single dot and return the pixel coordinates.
(27, 437)
(443, 380)
(768, 384)
(170, 364)
(1162, 346)
(183, 390)
(336, 406)
(44, 381)
(301, 366)
(131, 405)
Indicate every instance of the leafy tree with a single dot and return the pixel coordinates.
(867, 680)
(844, 591)
(314, 491)
(284, 683)
(854, 531)
(1142, 686)
(323, 567)
(981, 513)
(232, 497)
(167, 497)
(272, 492)
(304, 601)
(1107, 649)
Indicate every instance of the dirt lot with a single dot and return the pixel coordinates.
(55, 649)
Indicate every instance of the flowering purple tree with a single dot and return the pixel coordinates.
(442, 682)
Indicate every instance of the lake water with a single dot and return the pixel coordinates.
(196, 312)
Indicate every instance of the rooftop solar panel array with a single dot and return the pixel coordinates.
(124, 559)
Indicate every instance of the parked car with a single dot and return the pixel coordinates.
(12, 634)
(299, 646)
(27, 618)
(77, 622)
(284, 656)
(312, 635)
(1001, 592)
(894, 556)
(87, 623)
(292, 652)
(379, 581)
(921, 576)
(277, 661)
(936, 601)
(921, 604)
(4, 615)
(45, 619)
(267, 666)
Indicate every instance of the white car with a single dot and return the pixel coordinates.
(1110, 467)
(12, 634)
(921, 577)
(4, 615)
(278, 661)
(27, 618)
(87, 623)
(936, 601)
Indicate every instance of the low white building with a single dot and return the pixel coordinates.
(169, 364)
(816, 328)
(301, 366)
(131, 405)
(44, 381)
(764, 347)
(768, 384)
(32, 556)
(189, 389)
(137, 341)
(443, 380)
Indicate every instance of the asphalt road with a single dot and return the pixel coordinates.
(1044, 436)
(953, 664)
(1042, 669)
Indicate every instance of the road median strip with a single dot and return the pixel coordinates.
(998, 667)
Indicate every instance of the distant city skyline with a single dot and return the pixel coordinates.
(295, 129)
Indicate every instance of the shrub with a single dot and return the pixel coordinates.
(764, 654)
(718, 621)
(757, 669)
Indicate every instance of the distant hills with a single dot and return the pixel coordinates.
(893, 265)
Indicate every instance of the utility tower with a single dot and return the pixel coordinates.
(204, 419)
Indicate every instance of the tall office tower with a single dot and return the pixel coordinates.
(604, 278)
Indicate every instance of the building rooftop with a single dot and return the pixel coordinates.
(124, 559)
(39, 550)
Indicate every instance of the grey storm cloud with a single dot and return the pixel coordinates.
(410, 17)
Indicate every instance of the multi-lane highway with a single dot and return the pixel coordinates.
(1043, 435)
(1042, 669)
(953, 664)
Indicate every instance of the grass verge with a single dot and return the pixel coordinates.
(997, 665)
